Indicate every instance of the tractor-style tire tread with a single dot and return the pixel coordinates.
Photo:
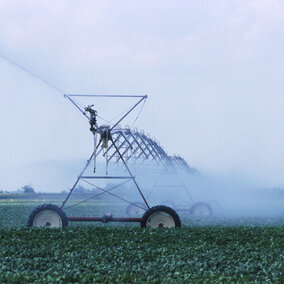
(197, 204)
(52, 207)
(163, 208)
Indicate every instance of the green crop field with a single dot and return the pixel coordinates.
(213, 250)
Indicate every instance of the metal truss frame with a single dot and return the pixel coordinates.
(105, 135)
(127, 147)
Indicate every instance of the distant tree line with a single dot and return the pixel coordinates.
(28, 189)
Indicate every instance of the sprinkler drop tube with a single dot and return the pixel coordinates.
(95, 150)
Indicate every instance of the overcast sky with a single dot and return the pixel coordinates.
(213, 71)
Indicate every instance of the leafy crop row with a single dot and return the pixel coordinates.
(203, 250)
(87, 254)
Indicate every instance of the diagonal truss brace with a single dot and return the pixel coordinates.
(94, 154)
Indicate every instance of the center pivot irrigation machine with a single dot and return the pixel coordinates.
(128, 149)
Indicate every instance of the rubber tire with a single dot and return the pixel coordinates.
(130, 206)
(52, 207)
(203, 204)
(163, 208)
(169, 203)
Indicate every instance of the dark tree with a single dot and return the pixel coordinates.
(28, 189)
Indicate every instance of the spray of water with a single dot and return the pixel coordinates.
(31, 73)
(216, 196)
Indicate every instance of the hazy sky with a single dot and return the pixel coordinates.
(213, 71)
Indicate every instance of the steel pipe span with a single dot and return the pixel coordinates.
(135, 146)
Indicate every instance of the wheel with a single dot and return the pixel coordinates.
(169, 203)
(160, 216)
(48, 216)
(133, 210)
(201, 209)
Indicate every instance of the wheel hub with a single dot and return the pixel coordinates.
(160, 219)
(47, 218)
